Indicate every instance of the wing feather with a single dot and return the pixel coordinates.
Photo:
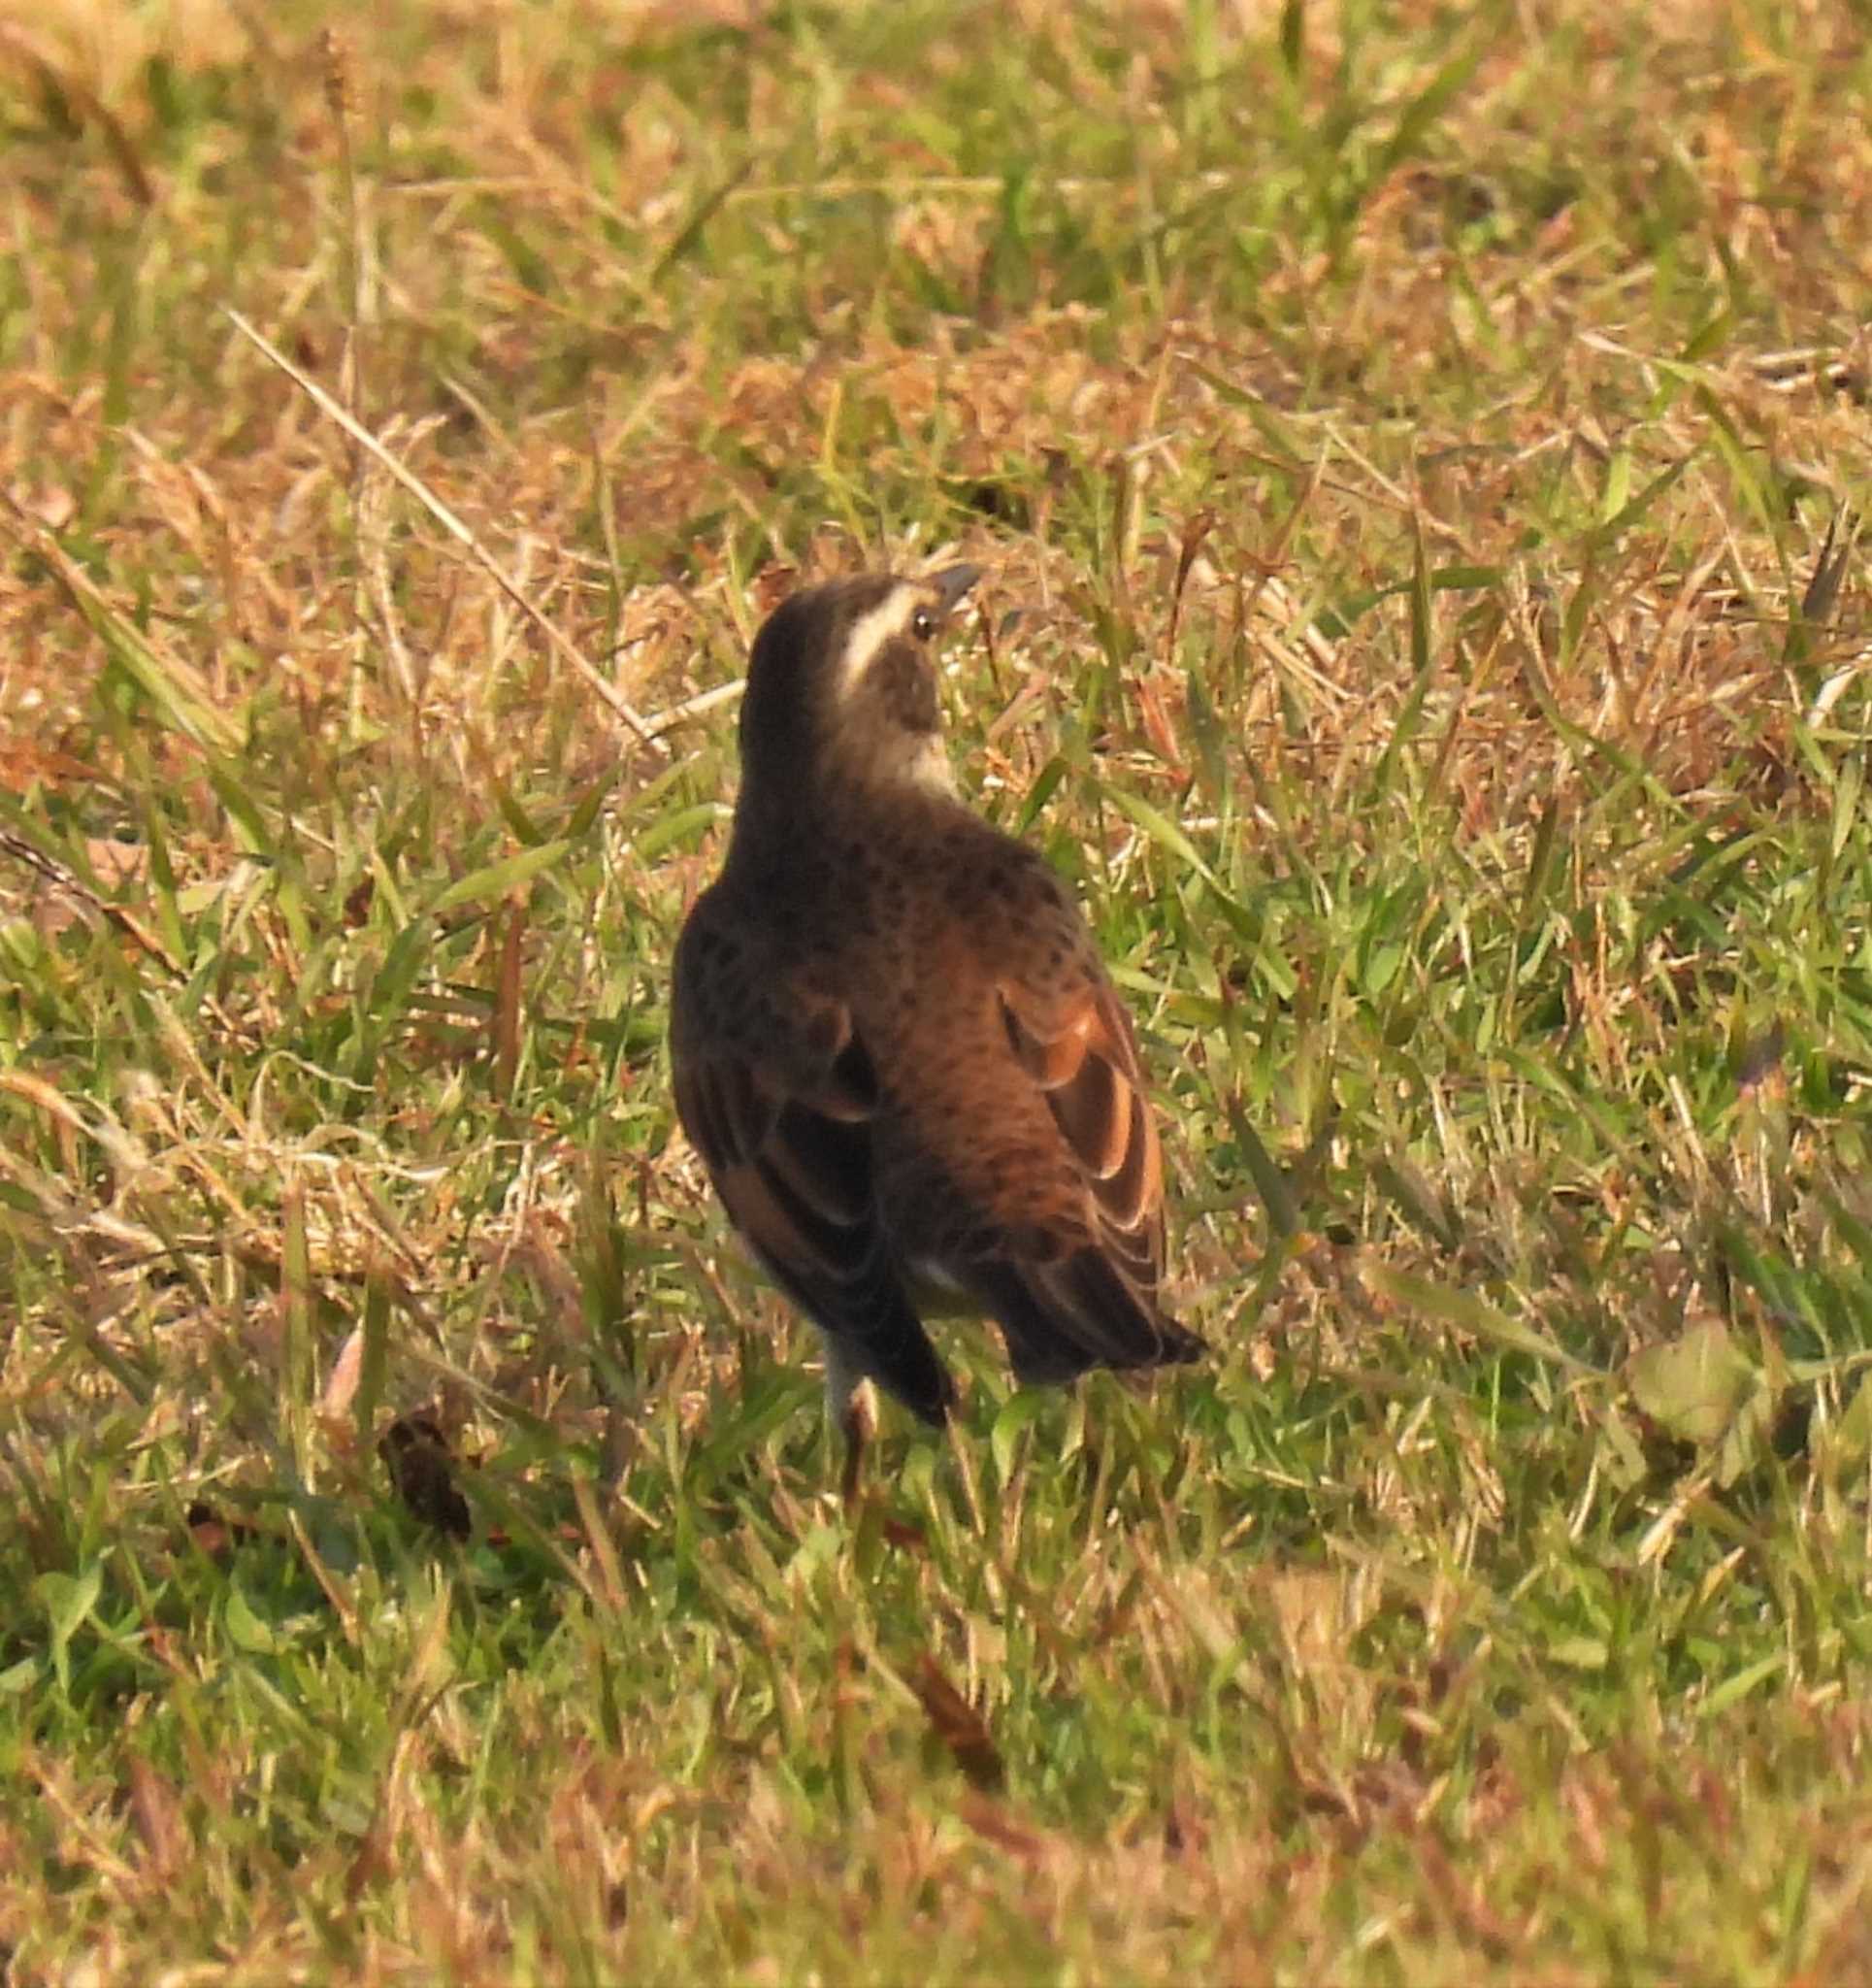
(777, 1093)
(1084, 1293)
(1084, 1058)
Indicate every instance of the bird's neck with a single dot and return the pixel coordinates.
(785, 827)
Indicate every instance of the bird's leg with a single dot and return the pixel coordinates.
(849, 1410)
(857, 1421)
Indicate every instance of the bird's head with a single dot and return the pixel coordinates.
(842, 686)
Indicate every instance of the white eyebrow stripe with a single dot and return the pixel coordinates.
(872, 631)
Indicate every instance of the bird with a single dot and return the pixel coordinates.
(894, 1044)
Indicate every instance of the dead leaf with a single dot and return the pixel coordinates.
(422, 1471)
(155, 1808)
(991, 1820)
(340, 1388)
(960, 1727)
(215, 1535)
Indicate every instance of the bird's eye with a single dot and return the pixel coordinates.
(923, 625)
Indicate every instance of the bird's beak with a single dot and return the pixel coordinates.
(952, 582)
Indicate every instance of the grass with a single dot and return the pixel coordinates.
(1418, 453)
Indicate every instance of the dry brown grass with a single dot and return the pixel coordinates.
(1421, 490)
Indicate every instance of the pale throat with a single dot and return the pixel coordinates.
(929, 770)
(917, 760)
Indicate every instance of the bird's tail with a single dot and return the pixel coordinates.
(1061, 1320)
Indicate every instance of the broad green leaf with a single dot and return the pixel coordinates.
(1472, 1314)
(1579, 1652)
(1693, 1385)
(245, 1630)
(496, 880)
(1732, 1690)
(1017, 1415)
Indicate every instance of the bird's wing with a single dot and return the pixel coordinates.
(1082, 1054)
(1079, 1289)
(777, 1093)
